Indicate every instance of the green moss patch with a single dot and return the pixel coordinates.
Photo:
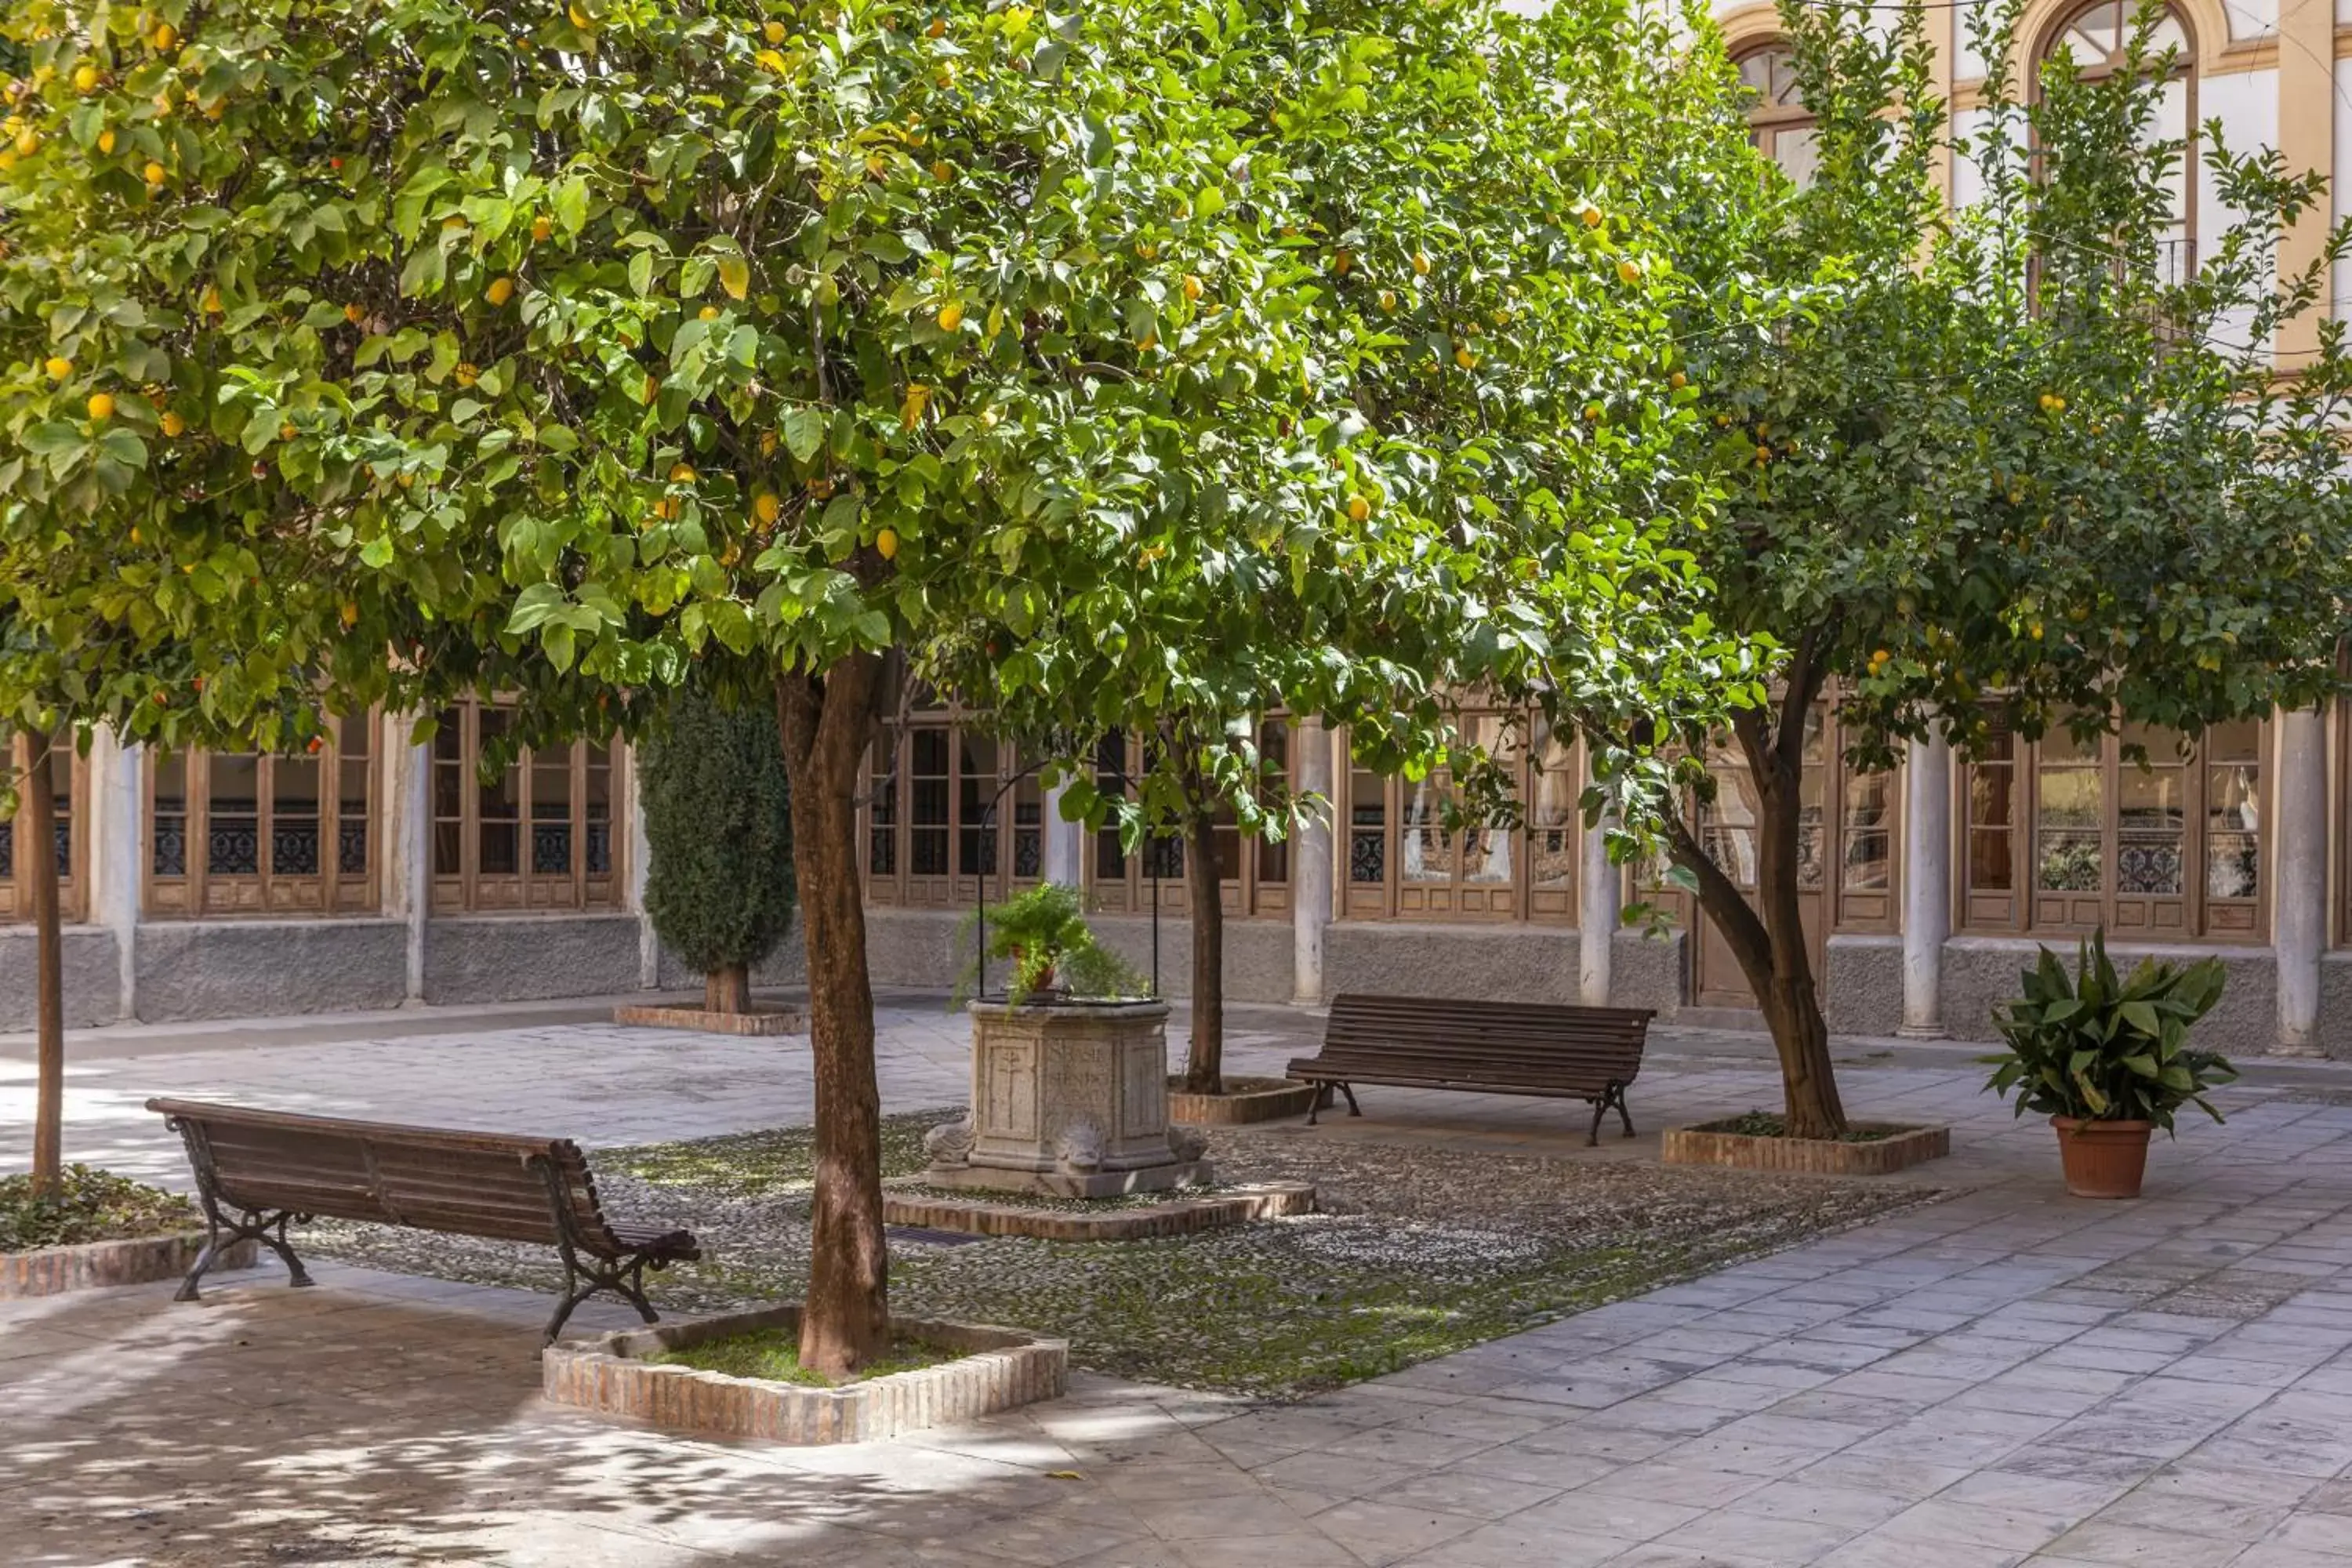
(90, 1205)
(774, 1354)
(1768, 1125)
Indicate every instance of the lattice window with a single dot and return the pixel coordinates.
(949, 817)
(2145, 832)
(245, 833)
(537, 834)
(1409, 856)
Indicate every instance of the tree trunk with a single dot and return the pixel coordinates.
(36, 847)
(826, 721)
(1204, 1067)
(1769, 937)
(728, 990)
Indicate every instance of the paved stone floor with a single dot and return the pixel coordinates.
(2006, 1376)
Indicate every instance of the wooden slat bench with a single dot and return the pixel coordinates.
(1487, 1047)
(267, 1167)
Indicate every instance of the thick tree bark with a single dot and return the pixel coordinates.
(728, 990)
(826, 721)
(1768, 939)
(1204, 1067)
(36, 847)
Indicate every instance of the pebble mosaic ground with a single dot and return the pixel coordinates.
(1418, 1251)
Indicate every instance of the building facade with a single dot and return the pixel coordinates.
(375, 872)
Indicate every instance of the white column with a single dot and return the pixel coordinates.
(1310, 862)
(115, 798)
(640, 866)
(1065, 842)
(1926, 883)
(407, 819)
(2299, 908)
(1598, 888)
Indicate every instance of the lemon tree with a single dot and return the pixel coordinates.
(2005, 464)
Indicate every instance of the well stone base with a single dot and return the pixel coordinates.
(1071, 1183)
(94, 1265)
(1000, 1369)
(758, 1021)
(1905, 1146)
(1177, 1216)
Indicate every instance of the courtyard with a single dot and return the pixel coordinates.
(1986, 1373)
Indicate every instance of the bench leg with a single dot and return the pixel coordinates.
(1320, 1103)
(1624, 1115)
(624, 1280)
(222, 1232)
(1349, 1091)
(1600, 1109)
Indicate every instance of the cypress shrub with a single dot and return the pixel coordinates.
(718, 888)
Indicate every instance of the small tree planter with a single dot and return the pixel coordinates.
(1000, 1369)
(753, 1021)
(2103, 1159)
(1179, 1216)
(97, 1265)
(1245, 1100)
(1707, 1144)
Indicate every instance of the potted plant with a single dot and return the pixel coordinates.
(1052, 950)
(2107, 1059)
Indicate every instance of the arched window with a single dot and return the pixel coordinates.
(1778, 123)
(2097, 38)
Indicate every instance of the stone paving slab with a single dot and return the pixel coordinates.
(2010, 1377)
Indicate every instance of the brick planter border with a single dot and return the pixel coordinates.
(1181, 1216)
(96, 1265)
(758, 1021)
(1266, 1099)
(1003, 1369)
(1808, 1156)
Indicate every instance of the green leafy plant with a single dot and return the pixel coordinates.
(719, 888)
(90, 1205)
(2100, 1047)
(1052, 948)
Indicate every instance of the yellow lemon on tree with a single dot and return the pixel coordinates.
(1343, 262)
(1194, 287)
(211, 299)
(579, 18)
(951, 316)
(886, 543)
(1763, 454)
(707, 313)
(172, 424)
(353, 314)
(543, 227)
(58, 366)
(1678, 381)
(501, 291)
(683, 474)
(101, 405)
(467, 375)
(1388, 298)
(85, 79)
(155, 173)
(942, 171)
(286, 432)
(766, 508)
(1627, 272)
(939, 28)
(1465, 358)
(348, 612)
(28, 142)
(1420, 262)
(1593, 216)
(163, 38)
(1360, 507)
(106, 140)
(767, 442)
(774, 32)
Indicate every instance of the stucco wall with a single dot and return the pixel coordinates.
(526, 958)
(1505, 963)
(239, 969)
(92, 979)
(1648, 969)
(1981, 971)
(1861, 985)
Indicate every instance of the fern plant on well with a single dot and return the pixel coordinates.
(1043, 935)
(717, 814)
(2106, 1058)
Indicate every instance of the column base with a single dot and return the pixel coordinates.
(2296, 1050)
(1922, 1032)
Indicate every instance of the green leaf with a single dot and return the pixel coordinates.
(804, 429)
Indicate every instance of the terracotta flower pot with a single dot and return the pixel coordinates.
(2103, 1159)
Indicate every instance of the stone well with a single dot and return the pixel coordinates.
(1068, 1100)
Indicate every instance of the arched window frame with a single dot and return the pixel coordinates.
(1778, 123)
(2176, 256)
